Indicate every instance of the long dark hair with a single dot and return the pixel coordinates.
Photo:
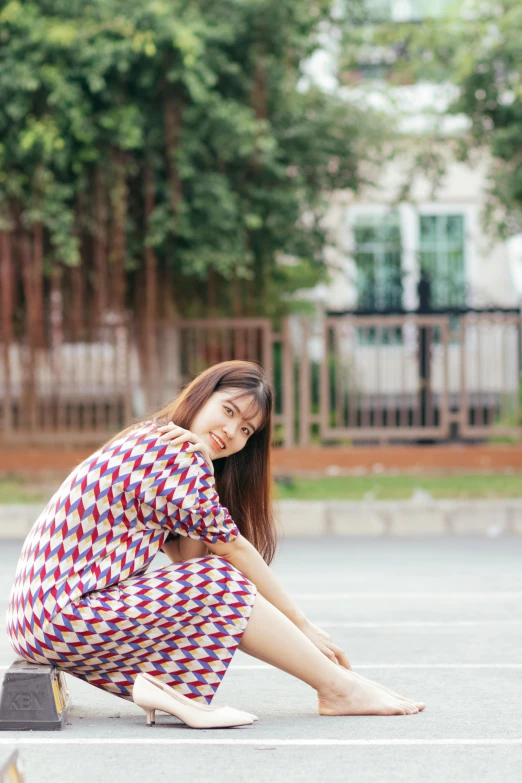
(243, 480)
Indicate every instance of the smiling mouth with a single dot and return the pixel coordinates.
(217, 441)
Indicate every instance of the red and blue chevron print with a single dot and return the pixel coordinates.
(82, 599)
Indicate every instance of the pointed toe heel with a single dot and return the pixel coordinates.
(151, 694)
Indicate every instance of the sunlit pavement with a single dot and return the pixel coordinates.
(438, 619)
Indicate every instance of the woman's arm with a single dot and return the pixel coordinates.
(184, 548)
(189, 547)
(242, 555)
(171, 549)
(240, 552)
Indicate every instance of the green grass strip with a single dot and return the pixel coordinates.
(400, 487)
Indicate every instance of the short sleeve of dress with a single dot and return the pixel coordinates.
(177, 491)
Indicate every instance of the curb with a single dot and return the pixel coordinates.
(316, 518)
(401, 518)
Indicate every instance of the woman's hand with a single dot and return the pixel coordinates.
(323, 641)
(177, 435)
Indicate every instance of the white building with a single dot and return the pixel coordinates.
(377, 245)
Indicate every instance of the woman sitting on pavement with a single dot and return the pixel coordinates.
(83, 600)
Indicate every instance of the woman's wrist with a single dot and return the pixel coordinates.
(298, 618)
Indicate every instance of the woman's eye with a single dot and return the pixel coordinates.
(229, 410)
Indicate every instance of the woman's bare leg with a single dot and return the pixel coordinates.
(273, 638)
(421, 705)
(355, 674)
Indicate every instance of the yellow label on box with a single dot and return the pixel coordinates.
(57, 696)
(62, 687)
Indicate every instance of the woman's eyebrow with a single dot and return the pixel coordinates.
(238, 411)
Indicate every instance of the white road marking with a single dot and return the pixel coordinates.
(261, 742)
(423, 624)
(250, 666)
(235, 667)
(411, 594)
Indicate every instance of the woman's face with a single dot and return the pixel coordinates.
(224, 422)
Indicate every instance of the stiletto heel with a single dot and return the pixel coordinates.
(151, 694)
(190, 702)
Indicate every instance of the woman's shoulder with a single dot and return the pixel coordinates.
(143, 445)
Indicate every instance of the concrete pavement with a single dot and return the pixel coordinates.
(437, 619)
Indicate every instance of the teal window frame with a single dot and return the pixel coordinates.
(378, 261)
(442, 255)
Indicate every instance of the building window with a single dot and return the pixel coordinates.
(378, 10)
(404, 10)
(424, 9)
(442, 259)
(378, 262)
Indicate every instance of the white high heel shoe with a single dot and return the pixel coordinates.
(151, 694)
(191, 702)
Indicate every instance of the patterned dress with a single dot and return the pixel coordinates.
(82, 599)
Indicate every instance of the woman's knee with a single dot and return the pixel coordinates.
(214, 561)
(223, 567)
(210, 569)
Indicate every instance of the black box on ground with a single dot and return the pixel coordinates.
(33, 697)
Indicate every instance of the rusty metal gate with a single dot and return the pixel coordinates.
(337, 380)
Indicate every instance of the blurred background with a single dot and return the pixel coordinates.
(332, 189)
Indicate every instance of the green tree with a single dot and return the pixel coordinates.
(147, 147)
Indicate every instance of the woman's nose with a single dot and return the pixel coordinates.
(230, 429)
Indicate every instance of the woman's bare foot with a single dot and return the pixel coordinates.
(357, 696)
(420, 704)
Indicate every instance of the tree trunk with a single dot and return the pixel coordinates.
(77, 299)
(259, 100)
(254, 287)
(251, 299)
(6, 301)
(236, 295)
(167, 305)
(260, 90)
(100, 245)
(117, 256)
(28, 412)
(37, 284)
(77, 274)
(150, 365)
(56, 341)
(172, 121)
(212, 294)
(172, 118)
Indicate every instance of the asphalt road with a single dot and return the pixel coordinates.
(438, 619)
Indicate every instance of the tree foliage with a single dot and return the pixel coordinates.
(149, 146)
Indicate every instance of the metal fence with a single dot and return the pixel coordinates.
(343, 379)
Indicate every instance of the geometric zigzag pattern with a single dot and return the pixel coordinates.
(83, 599)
